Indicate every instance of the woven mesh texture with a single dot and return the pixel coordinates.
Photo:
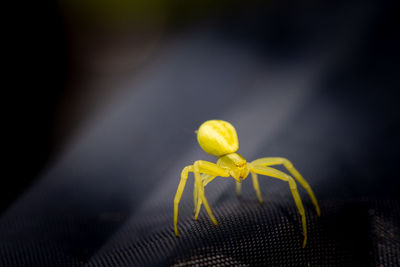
(349, 233)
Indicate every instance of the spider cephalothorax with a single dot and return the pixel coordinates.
(236, 165)
(219, 138)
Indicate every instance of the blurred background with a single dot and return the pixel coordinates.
(103, 97)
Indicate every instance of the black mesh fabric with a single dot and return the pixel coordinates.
(107, 199)
(351, 233)
(355, 232)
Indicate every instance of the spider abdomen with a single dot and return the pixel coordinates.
(218, 138)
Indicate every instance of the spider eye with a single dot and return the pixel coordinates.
(218, 137)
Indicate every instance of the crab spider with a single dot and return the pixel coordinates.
(219, 138)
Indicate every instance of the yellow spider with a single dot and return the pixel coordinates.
(219, 138)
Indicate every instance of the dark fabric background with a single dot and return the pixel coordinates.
(319, 89)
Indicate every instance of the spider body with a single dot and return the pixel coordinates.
(219, 138)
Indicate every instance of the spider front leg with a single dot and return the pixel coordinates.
(255, 185)
(238, 188)
(197, 168)
(205, 178)
(195, 196)
(289, 166)
(293, 188)
(200, 186)
(178, 195)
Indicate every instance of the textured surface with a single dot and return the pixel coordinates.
(108, 198)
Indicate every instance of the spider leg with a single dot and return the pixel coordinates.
(256, 186)
(238, 188)
(200, 186)
(206, 178)
(289, 166)
(207, 168)
(199, 167)
(293, 188)
(178, 195)
(195, 196)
